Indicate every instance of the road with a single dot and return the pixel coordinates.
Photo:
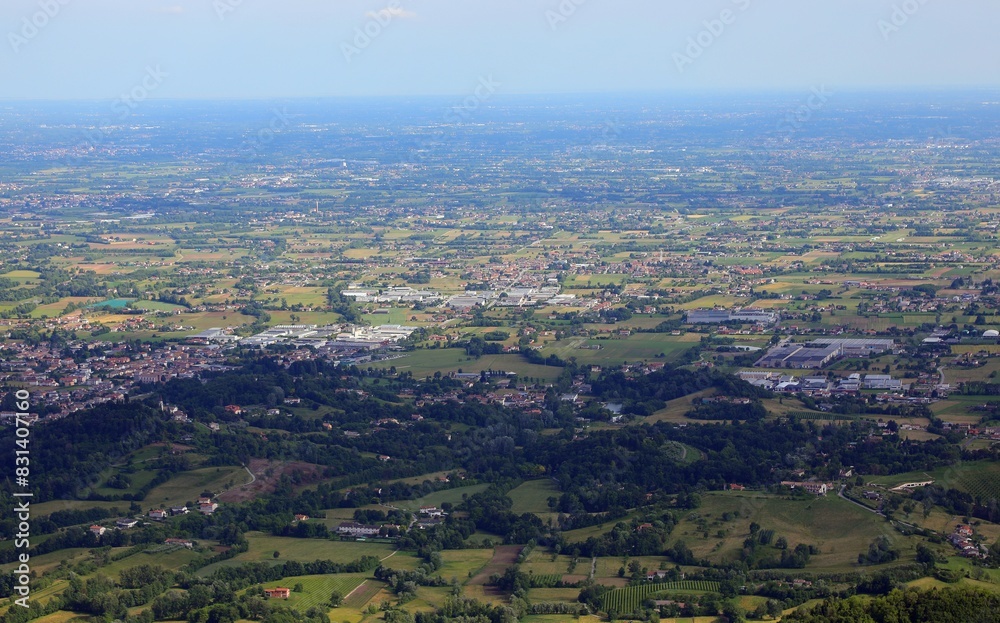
(252, 477)
(841, 495)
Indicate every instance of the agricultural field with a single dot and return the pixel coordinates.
(263, 547)
(838, 528)
(186, 488)
(636, 347)
(628, 599)
(978, 478)
(453, 496)
(317, 590)
(532, 497)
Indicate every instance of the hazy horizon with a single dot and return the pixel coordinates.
(303, 49)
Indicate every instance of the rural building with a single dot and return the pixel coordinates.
(818, 353)
(882, 381)
(815, 488)
(278, 593)
(354, 529)
(719, 316)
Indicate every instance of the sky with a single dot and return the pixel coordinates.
(260, 49)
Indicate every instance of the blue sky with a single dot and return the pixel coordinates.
(100, 49)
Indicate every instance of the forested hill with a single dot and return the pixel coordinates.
(77, 449)
(912, 606)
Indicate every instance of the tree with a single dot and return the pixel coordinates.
(337, 600)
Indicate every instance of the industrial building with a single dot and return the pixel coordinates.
(818, 353)
(719, 316)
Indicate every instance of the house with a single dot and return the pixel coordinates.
(301, 517)
(157, 513)
(126, 523)
(182, 542)
(429, 522)
(98, 530)
(384, 457)
(354, 529)
(736, 487)
(179, 510)
(431, 511)
(278, 592)
(815, 488)
(207, 508)
(234, 409)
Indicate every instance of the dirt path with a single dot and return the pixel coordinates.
(504, 556)
(356, 589)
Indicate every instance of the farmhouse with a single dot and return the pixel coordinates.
(278, 593)
(351, 528)
(431, 511)
(206, 506)
(816, 488)
(157, 513)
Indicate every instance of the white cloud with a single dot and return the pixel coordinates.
(391, 12)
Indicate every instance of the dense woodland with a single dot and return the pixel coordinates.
(601, 477)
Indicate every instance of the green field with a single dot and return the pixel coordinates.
(454, 496)
(837, 527)
(980, 478)
(171, 558)
(636, 347)
(630, 598)
(186, 487)
(317, 589)
(262, 548)
(461, 564)
(425, 362)
(532, 496)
